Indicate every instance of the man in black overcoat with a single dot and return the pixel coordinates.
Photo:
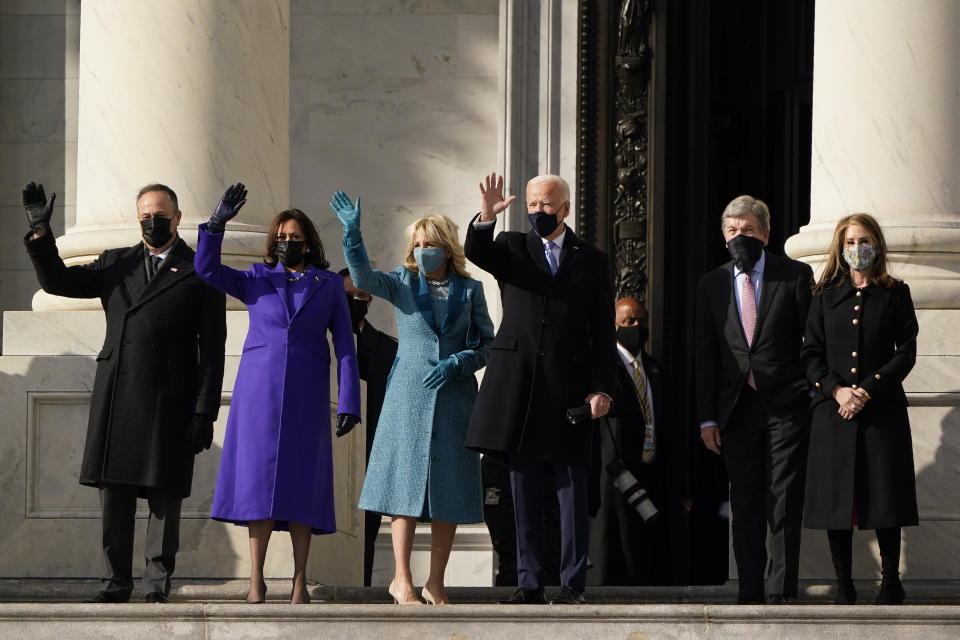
(752, 389)
(376, 352)
(156, 392)
(624, 549)
(555, 350)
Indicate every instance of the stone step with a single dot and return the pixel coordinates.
(192, 590)
(469, 621)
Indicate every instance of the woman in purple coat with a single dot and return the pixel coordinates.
(276, 469)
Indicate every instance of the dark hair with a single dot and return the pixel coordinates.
(315, 256)
(156, 186)
(344, 272)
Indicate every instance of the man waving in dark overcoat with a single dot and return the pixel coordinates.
(555, 350)
(156, 392)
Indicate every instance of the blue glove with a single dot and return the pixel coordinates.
(233, 198)
(349, 217)
(445, 371)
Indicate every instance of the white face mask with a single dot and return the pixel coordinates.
(859, 256)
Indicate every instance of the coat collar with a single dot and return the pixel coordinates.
(569, 254)
(421, 295)
(177, 265)
(277, 275)
(844, 289)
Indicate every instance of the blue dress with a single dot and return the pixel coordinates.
(419, 466)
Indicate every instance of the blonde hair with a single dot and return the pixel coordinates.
(441, 230)
(837, 268)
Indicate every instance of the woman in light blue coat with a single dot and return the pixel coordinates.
(419, 468)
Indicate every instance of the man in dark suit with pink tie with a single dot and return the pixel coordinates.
(753, 396)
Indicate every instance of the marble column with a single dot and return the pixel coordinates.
(886, 96)
(537, 120)
(191, 93)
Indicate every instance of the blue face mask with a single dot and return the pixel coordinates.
(430, 259)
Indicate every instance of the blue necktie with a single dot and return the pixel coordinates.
(551, 257)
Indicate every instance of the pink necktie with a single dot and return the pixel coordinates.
(748, 317)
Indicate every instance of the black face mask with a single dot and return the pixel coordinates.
(745, 251)
(543, 223)
(156, 230)
(633, 338)
(358, 310)
(289, 253)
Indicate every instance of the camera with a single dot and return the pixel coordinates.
(635, 495)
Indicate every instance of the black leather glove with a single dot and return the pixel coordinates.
(201, 433)
(39, 209)
(345, 423)
(233, 199)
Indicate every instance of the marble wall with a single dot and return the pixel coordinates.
(39, 46)
(395, 102)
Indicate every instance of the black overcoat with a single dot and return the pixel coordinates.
(161, 361)
(556, 345)
(623, 549)
(868, 339)
(723, 357)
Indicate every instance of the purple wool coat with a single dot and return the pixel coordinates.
(276, 461)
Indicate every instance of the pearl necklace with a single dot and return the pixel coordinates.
(438, 283)
(298, 276)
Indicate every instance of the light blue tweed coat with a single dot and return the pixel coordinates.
(418, 455)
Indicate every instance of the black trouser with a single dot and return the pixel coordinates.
(371, 527)
(119, 506)
(766, 463)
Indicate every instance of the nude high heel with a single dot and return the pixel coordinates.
(396, 599)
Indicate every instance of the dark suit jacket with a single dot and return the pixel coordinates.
(555, 346)
(376, 352)
(723, 357)
(623, 549)
(161, 361)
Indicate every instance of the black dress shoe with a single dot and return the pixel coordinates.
(776, 598)
(155, 597)
(525, 596)
(568, 595)
(890, 593)
(105, 597)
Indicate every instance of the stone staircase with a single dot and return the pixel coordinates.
(214, 609)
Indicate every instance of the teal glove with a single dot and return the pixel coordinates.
(349, 216)
(445, 371)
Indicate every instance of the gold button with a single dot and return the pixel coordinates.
(854, 386)
(859, 293)
(856, 321)
(877, 376)
(853, 353)
(856, 308)
(816, 384)
(853, 369)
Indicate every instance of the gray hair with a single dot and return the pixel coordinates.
(557, 181)
(742, 205)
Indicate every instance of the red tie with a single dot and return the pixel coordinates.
(748, 317)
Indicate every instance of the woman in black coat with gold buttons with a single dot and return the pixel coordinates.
(861, 342)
